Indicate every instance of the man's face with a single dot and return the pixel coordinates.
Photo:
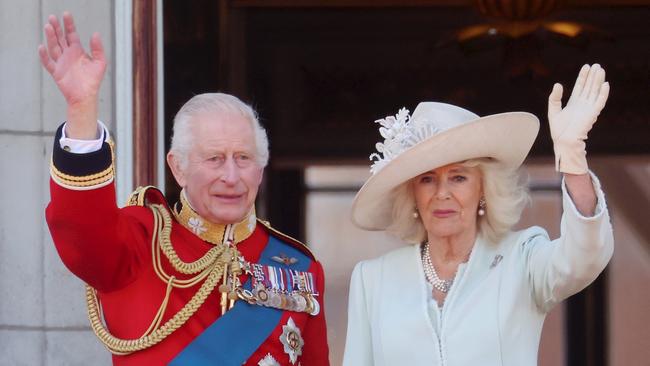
(222, 175)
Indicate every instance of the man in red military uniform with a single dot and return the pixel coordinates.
(201, 283)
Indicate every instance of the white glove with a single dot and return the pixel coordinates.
(569, 126)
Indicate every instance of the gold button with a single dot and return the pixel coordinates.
(66, 148)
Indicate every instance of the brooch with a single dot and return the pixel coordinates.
(496, 261)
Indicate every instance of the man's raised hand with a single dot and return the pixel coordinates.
(77, 74)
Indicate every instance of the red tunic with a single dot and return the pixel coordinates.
(110, 249)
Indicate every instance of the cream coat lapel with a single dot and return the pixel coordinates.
(403, 310)
(469, 317)
(483, 261)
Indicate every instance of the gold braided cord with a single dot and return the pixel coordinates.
(167, 248)
(155, 323)
(176, 283)
(159, 213)
(156, 333)
(125, 346)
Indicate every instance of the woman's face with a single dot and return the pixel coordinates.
(447, 199)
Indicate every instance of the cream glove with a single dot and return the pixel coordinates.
(569, 125)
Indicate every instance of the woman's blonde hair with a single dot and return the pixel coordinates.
(505, 195)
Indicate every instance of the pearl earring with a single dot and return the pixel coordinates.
(415, 214)
(481, 207)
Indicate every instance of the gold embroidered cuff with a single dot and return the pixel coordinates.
(80, 171)
(87, 182)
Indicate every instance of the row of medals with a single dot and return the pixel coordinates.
(232, 290)
(292, 301)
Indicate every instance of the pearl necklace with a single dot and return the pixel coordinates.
(430, 272)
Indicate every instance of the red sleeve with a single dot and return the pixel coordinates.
(316, 351)
(103, 245)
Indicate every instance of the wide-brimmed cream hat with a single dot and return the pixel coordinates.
(437, 134)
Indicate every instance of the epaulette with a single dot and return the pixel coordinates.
(287, 239)
(146, 195)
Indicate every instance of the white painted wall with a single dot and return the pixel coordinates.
(42, 309)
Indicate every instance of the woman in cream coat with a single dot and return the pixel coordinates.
(470, 291)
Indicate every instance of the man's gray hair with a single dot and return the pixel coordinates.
(505, 195)
(217, 103)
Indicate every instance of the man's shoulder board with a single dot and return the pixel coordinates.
(147, 195)
(295, 243)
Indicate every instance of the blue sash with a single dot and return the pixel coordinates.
(237, 334)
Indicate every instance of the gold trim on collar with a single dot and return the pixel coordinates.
(211, 232)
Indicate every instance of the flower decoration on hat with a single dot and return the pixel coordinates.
(400, 132)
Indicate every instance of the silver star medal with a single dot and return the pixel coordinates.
(268, 360)
(292, 340)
